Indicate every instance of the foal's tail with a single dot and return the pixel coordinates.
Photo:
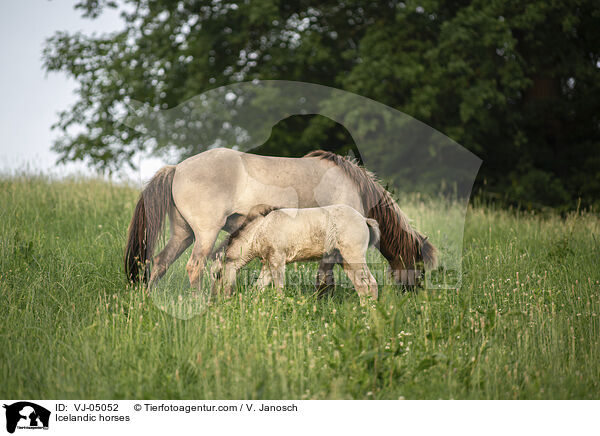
(147, 222)
(374, 232)
(429, 252)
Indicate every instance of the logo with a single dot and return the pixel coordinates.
(26, 415)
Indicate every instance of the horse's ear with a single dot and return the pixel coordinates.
(5, 406)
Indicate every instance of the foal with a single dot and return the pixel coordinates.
(290, 235)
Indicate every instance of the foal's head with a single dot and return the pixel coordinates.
(240, 226)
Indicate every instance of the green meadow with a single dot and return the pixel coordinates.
(523, 325)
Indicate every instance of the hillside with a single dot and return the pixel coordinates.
(525, 323)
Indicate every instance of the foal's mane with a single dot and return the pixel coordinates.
(256, 212)
(399, 241)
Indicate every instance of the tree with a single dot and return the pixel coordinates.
(515, 82)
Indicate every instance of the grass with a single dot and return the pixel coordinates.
(523, 325)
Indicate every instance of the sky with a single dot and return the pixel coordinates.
(30, 98)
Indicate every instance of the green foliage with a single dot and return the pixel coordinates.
(515, 82)
(524, 325)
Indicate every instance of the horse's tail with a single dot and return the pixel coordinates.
(374, 232)
(147, 222)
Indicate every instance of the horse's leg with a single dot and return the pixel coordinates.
(202, 248)
(167, 256)
(325, 279)
(181, 238)
(359, 274)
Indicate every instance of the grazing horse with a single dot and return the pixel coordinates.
(219, 188)
(294, 235)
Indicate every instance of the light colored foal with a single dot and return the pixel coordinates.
(291, 235)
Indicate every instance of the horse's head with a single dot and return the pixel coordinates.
(407, 266)
(407, 250)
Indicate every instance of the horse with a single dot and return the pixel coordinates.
(294, 235)
(217, 189)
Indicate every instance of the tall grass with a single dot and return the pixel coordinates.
(524, 324)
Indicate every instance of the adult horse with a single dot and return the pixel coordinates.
(219, 188)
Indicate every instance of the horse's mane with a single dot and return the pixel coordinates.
(399, 241)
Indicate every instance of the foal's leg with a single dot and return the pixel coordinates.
(229, 275)
(265, 278)
(360, 275)
(277, 267)
(181, 238)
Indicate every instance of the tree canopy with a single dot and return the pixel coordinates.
(515, 82)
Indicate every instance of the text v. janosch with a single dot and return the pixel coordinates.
(243, 407)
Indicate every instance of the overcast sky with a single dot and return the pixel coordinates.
(30, 100)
